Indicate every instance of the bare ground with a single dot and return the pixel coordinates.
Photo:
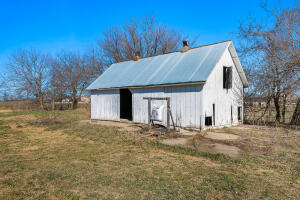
(206, 145)
(121, 126)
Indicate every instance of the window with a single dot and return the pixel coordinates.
(239, 113)
(208, 121)
(227, 77)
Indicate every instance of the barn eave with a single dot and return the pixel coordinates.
(151, 86)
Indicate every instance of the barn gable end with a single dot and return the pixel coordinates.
(220, 103)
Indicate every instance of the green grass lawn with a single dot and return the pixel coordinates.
(46, 155)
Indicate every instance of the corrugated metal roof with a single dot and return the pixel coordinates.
(192, 66)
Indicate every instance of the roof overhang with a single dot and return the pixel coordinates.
(238, 65)
(152, 86)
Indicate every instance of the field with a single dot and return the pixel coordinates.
(57, 155)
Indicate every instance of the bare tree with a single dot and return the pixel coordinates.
(272, 51)
(28, 72)
(2, 83)
(145, 36)
(71, 73)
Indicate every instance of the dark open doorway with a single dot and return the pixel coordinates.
(125, 104)
(239, 113)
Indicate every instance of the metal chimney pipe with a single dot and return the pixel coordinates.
(185, 46)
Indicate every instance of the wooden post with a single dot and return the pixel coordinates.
(168, 113)
(149, 112)
(172, 119)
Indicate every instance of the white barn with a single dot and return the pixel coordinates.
(205, 85)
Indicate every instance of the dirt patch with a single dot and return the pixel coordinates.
(188, 132)
(122, 126)
(6, 111)
(222, 136)
(204, 146)
(212, 142)
(211, 147)
(177, 141)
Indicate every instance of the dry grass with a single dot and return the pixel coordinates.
(46, 155)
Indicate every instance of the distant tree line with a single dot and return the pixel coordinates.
(35, 74)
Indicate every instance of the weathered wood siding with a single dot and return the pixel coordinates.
(185, 103)
(213, 93)
(105, 105)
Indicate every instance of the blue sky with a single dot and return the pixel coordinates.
(76, 25)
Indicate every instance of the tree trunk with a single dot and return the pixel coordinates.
(296, 116)
(41, 103)
(53, 104)
(74, 103)
(283, 108)
(277, 107)
(74, 99)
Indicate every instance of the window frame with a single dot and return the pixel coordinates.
(227, 77)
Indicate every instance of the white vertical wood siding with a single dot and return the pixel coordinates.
(105, 105)
(223, 99)
(185, 103)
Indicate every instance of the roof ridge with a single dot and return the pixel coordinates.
(174, 52)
